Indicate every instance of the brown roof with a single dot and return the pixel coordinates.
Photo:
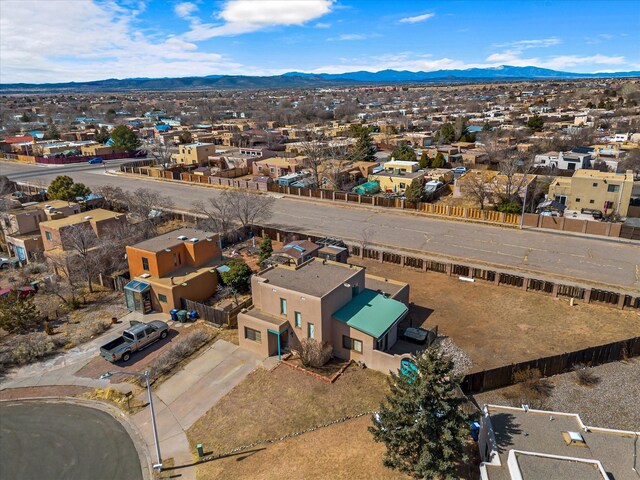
(170, 239)
(291, 250)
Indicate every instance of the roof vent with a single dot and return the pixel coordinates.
(47, 205)
(182, 237)
(145, 275)
(88, 217)
(194, 240)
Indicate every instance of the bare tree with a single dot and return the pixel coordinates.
(314, 153)
(366, 237)
(249, 208)
(476, 188)
(631, 161)
(515, 170)
(218, 215)
(145, 205)
(84, 253)
(162, 154)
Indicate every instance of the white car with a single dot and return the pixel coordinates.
(4, 263)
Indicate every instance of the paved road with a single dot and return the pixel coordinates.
(588, 259)
(49, 441)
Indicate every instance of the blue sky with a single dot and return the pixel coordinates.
(79, 40)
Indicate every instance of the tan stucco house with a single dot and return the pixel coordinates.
(328, 301)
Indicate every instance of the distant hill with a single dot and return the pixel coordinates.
(310, 80)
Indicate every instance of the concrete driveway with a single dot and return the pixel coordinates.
(41, 440)
(189, 394)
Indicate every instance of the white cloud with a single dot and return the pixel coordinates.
(244, 16)
(537, 43)
(417, 18)
(97, 41)
(186, 10)
(322, 25)
(346, 37)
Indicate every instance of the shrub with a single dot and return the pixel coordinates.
(27, 349)
(585, 375)
(170, 358)
(530, 389)
(34, 268)
(313, 353)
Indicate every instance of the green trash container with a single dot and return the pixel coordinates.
(182, 316)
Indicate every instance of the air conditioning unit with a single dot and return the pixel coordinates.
(145, 275)
(193, 240)
(182, 237)
(88, 217)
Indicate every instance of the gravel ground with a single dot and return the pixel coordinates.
(461, 361)
(612, 403)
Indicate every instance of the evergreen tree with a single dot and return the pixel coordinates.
(266, 249)
(64, 188)
(404, 152)
(237, 278)
(447, 133)
(439, 161)
(421, 421)
(535, 123)
(486, 127)
(124, 138)
(102, 135)
(52, 133)
(18, 315)
(424, 160)
(364, 149)
(414, 192)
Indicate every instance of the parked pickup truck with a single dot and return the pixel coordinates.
(134, 338)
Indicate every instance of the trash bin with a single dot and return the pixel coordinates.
(174, 314)
(475, 430)
(182, 316)
(193, 315)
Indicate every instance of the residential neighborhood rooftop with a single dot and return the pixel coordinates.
(371, 312)
(91, 215)
(171, 239)
(316, 277)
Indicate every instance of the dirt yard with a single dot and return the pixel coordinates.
(500, 325)
(268, 405)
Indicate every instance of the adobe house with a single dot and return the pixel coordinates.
(171, 267)
(331, 302)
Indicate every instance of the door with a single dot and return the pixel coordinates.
(21, 253)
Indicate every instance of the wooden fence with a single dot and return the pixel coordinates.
(504, 376)
(217, 316)
(528, 282)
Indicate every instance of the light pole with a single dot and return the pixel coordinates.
(524, 204)
(106, 375)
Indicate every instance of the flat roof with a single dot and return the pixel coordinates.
(170, 239)
(315, 278)
(371, 312)
(596, 174)
(95, 215)
(385, 285)
(548, 468)
(408, 175)
(56, 204)
(541, 432)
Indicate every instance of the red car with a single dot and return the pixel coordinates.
(22, 292)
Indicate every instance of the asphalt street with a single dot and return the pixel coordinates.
(581, 258)
(64, 441)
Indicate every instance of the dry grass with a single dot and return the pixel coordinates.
(585, 376)
(343, 451)
(126, 403)
(497, 326)
(267, 405)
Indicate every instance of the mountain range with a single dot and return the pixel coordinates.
(310, 80)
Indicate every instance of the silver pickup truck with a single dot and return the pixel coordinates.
(134, 338)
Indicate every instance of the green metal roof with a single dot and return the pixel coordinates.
(371, 313)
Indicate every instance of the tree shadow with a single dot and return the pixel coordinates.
(241, 456)
(505, 428)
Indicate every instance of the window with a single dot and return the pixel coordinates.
(352, 344)
(311, 331)
(48, 236)
(577, 200)
(145, 263)
(272, 170)
(613, 188)
(592, 201)
(298, 320)
(162, 298)
(253, 335)
(595, 184)
(403, 185)
(149, 330)
(283, 306)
